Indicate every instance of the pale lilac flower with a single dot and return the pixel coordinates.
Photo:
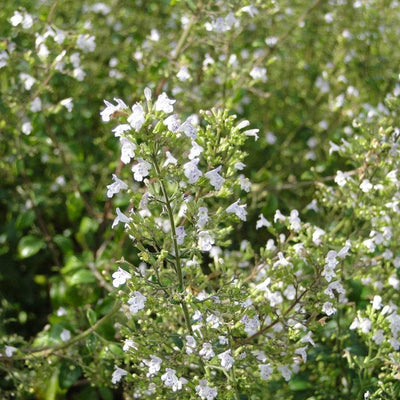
(206, 392)
(147, 93)
(215, 178)
(316, 237)
(36, 105)
(130, 344)
(172, 123)
(141, 170)
(286, 372)
(118, 374)
(239, 166)
(302, 351)
(243, 124)
(163, 103)
(116, 186)
(279, 216)
(290, 292)
(65, 335)
(265, 371)
(207, 351)
(86, 43)
(24, 19)
(202, 217)
(188, 129)
(190, 344)
(195, 151)
(378, 337)
(127, 150)
(226, 360)
(282, 261)
(154, 365)
(3, 58)
(170, 159)
(171, 380)
(328, 308)
(307, 339)
(180, 234)
(137, 302)
(191, 171)
(377, 302)
(205, 241)
(262, 221)
(137, 118)
(238, 209)
(111, 109)
(121, 217)
(251, 325)
(120, 277)
(245, 183)
(9, 350)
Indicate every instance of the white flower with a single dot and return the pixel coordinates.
(172, 123)
(188, 129)
(86, 43)
(3, 58)
(163, 103)
(121, 128)
(111, 109)
(378, 337)
(9, 350)
(215, 178)
(25, 19)
(154, 365)
(171, 380)
(341, 178)
(226, 359)
(27, 80)
(118, 374)
(195, 151)
(206, 392)
(316, 237)
(120, 277)
(191, 171)
(183, 74)
(302, 351)
(279, 216)
(205, 241)
(65, 335)
(67, 103)
(265, 371)
(141, 170)
(295, 223)
(27, 127)
(259, 74)
(127, 150)
(307, 339)
(130, 344)
(180, 234)
(136, 119)
(252, 132)
(262, 221)
(121, 217)
(137, 302)
(115, 187)
(207, 351)
(377, 302)
(147, 93)
(170, 159)
(366, 186)
(328, 308)
(239, 210)
(202, 217)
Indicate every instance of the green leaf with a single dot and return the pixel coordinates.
(82, 276)
(69, 374)
(91, 316)
(29, 246)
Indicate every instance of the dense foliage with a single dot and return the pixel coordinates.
(199, 199)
